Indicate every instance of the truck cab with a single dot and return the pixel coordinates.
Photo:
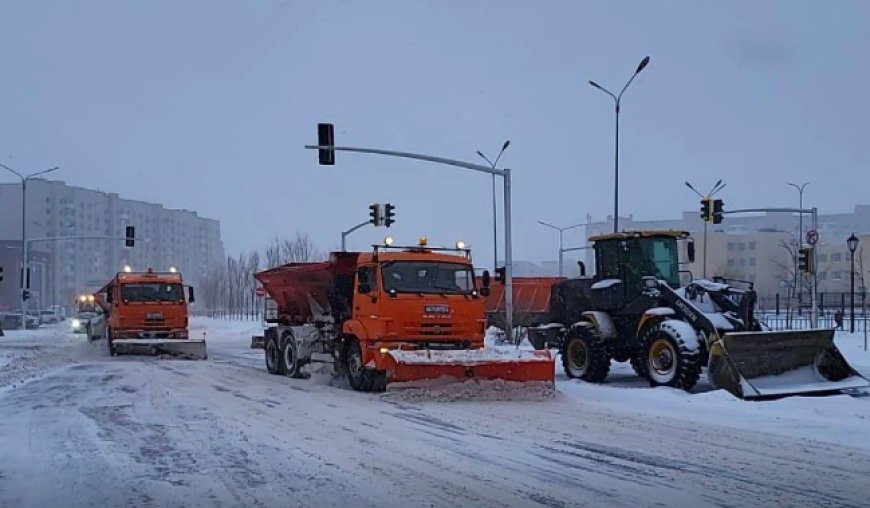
(145, 305)
(414, 298)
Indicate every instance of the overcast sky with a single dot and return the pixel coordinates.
(206, 105)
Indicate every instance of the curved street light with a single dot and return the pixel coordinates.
(494, 206)
(24, 265)
(616, 100)
(852, 243)
(561, 245)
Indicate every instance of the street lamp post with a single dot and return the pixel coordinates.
(494, 205)
(616, 100)
(561, 244)
(852, 243)
(800, 188)
(25, 282)
(716, 188)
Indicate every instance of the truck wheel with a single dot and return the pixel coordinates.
(362, 378)
(585, 356)
(111, 344)
(292, 362)
(274, 359)
(638, 363)
(671, 359)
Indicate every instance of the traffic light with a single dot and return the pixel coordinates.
(707, 209)
(1, 274)
(325, 137)
(718, 205)
(130, 236)
(805, 259)
(499, 274)
(389, 213)
(25, 294)
(375, 214)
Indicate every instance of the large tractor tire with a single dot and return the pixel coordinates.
(362, 378)
(292, 363)
(109, 342)
(671, 355)
(585, 355)
(274, 358)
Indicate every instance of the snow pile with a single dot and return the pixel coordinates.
(472, 390)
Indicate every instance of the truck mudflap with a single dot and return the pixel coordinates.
(410, 367)
(193, 349)
(753, 365)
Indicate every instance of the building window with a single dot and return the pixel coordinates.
(730, 262)
(823, 275)
(751, 261)
(731, 246)
(823, 258)
(741, 246)
(751, 245)
(742, 262)
(836, 256)
(835, 276)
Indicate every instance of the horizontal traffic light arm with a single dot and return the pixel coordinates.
(409, 155)
(76, 237)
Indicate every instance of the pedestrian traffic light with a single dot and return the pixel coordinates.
(389, 213)
(500, 274)
(375, 214)
(707, 209)
(805, 259)
(325, 137)
(25, 294)
(718, 206)
(130, 236)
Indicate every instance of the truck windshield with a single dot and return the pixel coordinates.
(427, 277)
(152, 292)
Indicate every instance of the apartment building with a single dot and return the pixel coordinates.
(164, 238)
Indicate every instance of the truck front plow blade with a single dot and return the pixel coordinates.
(775, 364)
(419, 367)
(193, 349)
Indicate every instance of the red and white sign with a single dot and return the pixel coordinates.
(260, 292)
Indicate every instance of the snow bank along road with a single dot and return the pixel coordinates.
(78, 428)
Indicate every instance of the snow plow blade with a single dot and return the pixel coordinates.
(193, 349)
(413, 367)
(754, 365)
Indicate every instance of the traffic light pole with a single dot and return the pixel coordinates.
(349, 231)
(814, 316)
(505, 173)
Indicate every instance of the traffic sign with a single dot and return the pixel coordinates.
(812, 237)
(260, 292)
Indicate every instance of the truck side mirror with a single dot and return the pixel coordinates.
(582, 266)
(486, 280)
(691, 251)
(484, 291)
(109, 297)
(190, 297)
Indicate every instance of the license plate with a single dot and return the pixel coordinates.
(437, 309)
(154, 315)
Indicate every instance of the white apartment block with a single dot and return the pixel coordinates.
(164, 238)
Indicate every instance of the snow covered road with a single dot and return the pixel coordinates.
(89, 430)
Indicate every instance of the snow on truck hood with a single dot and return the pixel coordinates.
(470, 356)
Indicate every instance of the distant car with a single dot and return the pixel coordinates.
(48, 317)
(12, 320)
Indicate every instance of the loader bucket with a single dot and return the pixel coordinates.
(193, 349)
(415, 367)
(754, 365)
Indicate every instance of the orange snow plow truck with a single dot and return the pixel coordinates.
(395, 316)
(146, 314)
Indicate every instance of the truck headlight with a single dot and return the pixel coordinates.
(76, 323)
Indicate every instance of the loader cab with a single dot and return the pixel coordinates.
(629, 256)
